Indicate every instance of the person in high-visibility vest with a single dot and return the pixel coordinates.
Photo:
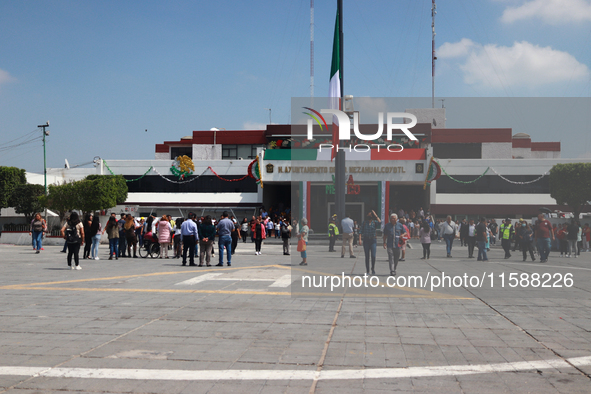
(333, 231)
(506, 234)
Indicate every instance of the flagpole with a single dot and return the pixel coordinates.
(340, 166)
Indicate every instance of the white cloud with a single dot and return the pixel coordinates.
(520, 65)
(553, 12)
(250, 125)
(6, 77)
(456, 49)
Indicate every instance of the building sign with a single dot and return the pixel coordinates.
(351, 169)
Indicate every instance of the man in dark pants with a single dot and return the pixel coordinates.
(333, 231)
(189, 236)
(464, 233)
(122, 241)
(506, 234)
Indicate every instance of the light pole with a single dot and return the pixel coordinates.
(269, 115)
(45, 133)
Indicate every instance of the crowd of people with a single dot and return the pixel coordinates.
(188, 238)
(194, 237)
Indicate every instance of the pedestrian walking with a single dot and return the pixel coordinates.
(543, 235)
(259, 232)
(449, 230)
(73, 233)
(482, 232)
(88, 237)
(95, 234)
(367, 238)
(347, 225)
(391, 240)
(470, 238)
(425, 238)
(38, 227)
(526, 238)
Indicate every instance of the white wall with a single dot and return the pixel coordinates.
(497, 150)
(207, 152)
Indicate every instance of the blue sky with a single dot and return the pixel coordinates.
(102, 72)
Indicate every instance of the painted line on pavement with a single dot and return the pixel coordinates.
(198, 279)
(347, 374)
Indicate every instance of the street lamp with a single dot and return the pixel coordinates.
(269, 115)
(45, 133)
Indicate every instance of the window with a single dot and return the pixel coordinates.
(229, 152)
(181, 151)
(245, 151)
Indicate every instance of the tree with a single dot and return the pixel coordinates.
(10, 177)
(61, 199)
(26, 199)
(570, 185)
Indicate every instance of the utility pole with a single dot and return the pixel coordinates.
(45, 133)
(433, 57)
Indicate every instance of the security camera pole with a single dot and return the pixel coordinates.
(45, 132)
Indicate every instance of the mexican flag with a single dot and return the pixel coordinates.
(334, 90)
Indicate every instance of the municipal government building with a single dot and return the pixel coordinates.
(490, 172)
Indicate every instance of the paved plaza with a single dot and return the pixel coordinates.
(153, 326)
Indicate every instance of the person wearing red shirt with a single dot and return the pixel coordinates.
(543, 234)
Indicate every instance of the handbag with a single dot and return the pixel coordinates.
(301, 245)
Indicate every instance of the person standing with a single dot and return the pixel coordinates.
(259, 232)
(493, 229)
(176, 240)
(367, 238)
(164, 235)
(112, 230)
(88, 237)
(225, 228)
(470, 238)
(285, 236)
(189, 236)
(526, 237)
(562, 242)
(38, 227)
(235, 235)
(130, 237)
(543, 236)
(122, 246)
(347, 226)
(73, 233)
(333, 231)
(425, 238)
(463, 232)
(303, 235)
(449, 230)
(506, 233)
(244, 230)
(571, 237)
(391, 239)
(207, 232)
(482, 231)
(586, 237)
(95, 235)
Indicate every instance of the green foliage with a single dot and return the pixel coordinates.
(94, 193)
(61, 198)
(570, 184)
(26, 199)
(10, 177)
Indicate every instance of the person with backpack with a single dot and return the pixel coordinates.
(73, 233)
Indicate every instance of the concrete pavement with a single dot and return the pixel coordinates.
(152, 326)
